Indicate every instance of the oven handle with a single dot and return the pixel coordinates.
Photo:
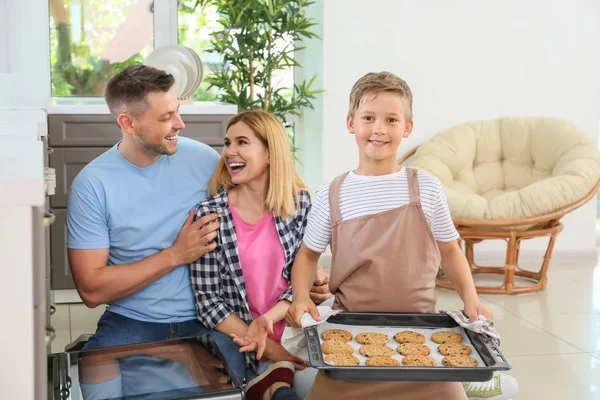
(49, 218)
(52, 336)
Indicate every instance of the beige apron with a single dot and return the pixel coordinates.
(384, 262)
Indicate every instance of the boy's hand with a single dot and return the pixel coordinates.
(297, 310)
(256, 336)
(320, 290)
(475, 308)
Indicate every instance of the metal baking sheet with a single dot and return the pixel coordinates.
(488, 355)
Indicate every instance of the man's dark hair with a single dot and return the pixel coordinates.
(127, 91)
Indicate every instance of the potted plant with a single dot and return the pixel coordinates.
(257, 41)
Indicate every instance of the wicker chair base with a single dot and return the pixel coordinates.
(511, 267)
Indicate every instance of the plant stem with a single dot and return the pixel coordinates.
(270, 74)
(251, 74)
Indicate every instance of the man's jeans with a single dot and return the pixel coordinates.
(115, 329)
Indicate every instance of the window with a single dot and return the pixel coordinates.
(91, 40)
(194, 27)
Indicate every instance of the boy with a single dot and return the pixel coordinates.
(389, 229)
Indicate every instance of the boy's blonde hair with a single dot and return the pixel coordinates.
(284, 182)
(374, 83)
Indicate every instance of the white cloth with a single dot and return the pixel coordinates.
(482, 325)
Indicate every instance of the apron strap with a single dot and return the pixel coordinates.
(334, 200)
(414, 193)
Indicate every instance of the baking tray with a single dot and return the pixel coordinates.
(485, 350)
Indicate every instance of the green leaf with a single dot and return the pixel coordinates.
(258, 39)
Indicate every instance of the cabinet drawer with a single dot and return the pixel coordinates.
(75, 130)
(68, 162)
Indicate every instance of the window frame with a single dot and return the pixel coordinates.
(165, 22)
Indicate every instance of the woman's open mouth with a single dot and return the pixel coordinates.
(236, 168)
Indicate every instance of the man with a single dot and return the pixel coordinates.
(129, 242)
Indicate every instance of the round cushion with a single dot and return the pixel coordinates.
(511, 168)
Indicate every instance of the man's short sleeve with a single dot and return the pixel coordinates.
(87, 224)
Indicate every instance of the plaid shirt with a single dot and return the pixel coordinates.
(217, 278)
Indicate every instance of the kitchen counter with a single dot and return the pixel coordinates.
(97, 105)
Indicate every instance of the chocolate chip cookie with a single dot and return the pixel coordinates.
(454, 349)
(340, 335)
(447, 337)
(417, 360)
(459, 361)
(372, 338)
(342, 359)
(409, 337)
(376, 350)
(407, 349)
(382, 362)
(336, 347)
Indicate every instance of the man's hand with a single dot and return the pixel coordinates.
(256, 336)
(297, 310)
(320, 290)
(195, 239)
(279, 353)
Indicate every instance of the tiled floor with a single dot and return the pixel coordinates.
(551, 338)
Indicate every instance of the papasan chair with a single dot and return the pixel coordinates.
(510, 179)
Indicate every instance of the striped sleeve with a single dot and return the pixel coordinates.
(440, 220)
(318, 230)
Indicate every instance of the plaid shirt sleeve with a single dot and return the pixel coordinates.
(294, 241)
(287, 295)
(207, 284)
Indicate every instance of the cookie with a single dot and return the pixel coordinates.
(447, 337)
(409, 337)
(336, 347)
(376, 350)
(417, 360)
(337, 334)
(407, 349)
(454, 349)
(341, 359)
(382, 362)
(372, 338)
(459, 361)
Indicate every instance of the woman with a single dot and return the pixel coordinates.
(263, 206)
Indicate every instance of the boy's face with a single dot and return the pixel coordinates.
(379, 125)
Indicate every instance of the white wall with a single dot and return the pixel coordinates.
(24, 45)
(24, 91)
(16, 282)
(467, 60)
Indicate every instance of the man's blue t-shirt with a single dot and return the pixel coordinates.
(137, 212)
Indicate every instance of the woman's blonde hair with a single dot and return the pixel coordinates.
(284, 182)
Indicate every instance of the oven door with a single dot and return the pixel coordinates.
(191, 368)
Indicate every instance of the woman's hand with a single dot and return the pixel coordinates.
(256, 336)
